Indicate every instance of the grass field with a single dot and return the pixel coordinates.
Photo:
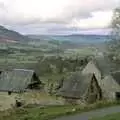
(29, 54)
(40, 98)
(51, 112)
(109, 117)
(37, 113)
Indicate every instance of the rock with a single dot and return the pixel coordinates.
(19, 102)
(73, 110)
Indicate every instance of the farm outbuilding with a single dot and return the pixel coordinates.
(80, 87)
(110, 88)
(108, 82)
(94, 82)
(19, 80)
(116, 76)
(100, 66)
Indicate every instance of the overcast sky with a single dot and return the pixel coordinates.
(57, 16)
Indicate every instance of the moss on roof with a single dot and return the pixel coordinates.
(15, 80)
(75, 85)
(116, 76)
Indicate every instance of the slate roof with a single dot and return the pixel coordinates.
(109, 84)
(103, 64)
(100, 66)
(75, 85)
(116, 76)
(15, 80)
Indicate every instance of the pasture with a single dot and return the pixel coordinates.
(29, 98)
(23, 55)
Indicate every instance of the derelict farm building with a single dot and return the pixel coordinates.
(83, 87)
(19, 80)
(101, 83)
(106, 79)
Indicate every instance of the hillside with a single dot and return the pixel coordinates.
(7, 35)
(73, 38)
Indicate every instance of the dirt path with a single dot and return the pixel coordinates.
(91, 114)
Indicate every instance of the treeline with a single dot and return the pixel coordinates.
(113, 46)
(60, 65)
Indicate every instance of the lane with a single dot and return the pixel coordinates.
(91, 114)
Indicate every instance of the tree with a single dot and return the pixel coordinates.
(114, 44)
(115, 34)
(116, 24)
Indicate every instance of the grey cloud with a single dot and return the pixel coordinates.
(53, 29)
(36, 24)
(83, 10)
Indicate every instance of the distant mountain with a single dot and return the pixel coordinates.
(7, 35)
(75, 38)
(40, 37)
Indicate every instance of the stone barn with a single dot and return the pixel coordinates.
(100, 66)
(80, 87)
(116, 76)
(110, 88)
(94, 82)
(108, 82)
(19, 80)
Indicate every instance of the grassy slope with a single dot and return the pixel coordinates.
(24, 53)
(48, 113)
(41, 98)
(109, 117)
(35, 113)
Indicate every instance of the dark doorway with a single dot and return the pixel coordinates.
(118, 95)
(9, 92)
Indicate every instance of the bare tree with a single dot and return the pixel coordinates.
(114, 45)
(115, 34)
